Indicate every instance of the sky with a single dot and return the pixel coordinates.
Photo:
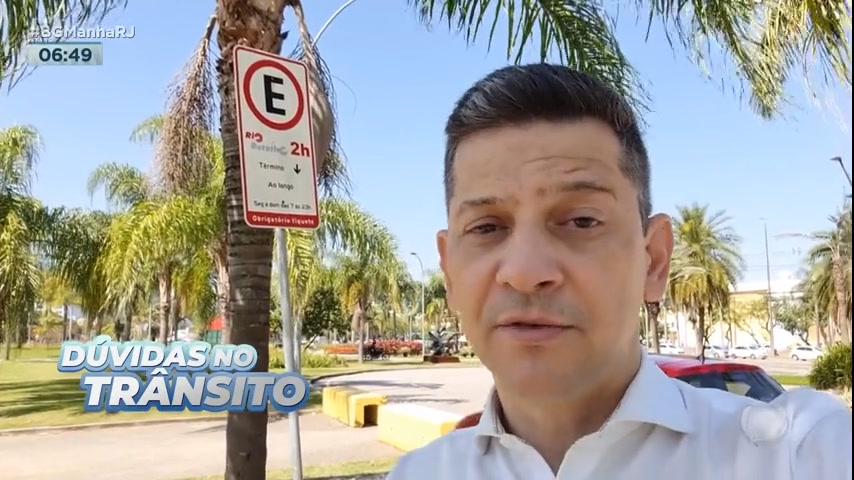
(396, 82)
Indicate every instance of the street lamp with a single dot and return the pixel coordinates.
(842, 166)
(769, 306)
(423, 316)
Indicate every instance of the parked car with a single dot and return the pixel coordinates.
(805, 352)
(715, 351)
(748, 351)
(671, 349)
(737, 378)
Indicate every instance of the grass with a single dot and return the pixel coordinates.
(341, 470)
(792, 380)
(34, 394)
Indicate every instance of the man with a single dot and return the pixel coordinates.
(550, 250)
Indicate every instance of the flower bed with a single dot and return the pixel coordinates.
(388, 347)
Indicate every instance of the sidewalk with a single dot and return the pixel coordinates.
(174, 451)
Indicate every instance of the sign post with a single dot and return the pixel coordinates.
(278, 171)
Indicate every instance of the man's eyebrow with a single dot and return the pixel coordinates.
(477, 202)
(564, 187)
(577, 186)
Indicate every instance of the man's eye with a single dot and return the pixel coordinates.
(585, 222)
(484, 229)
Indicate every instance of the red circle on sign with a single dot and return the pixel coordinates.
(247, 91)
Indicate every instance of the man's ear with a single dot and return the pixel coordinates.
(442, 248)
(659, 249)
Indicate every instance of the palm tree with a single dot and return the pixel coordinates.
(25, 226)
(710, 247)
(829, 276)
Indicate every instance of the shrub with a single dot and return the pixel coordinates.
(277, 360)
(322, 360)
(405, 351)
(833, 369)
(309, 360)
(388, 347)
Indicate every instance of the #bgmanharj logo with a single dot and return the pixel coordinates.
(195, 376)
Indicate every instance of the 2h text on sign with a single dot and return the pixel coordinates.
(276, 144)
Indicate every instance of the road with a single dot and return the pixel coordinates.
(464, 390)
(173, 451)
(781, 365)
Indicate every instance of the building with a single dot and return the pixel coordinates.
(751, 298)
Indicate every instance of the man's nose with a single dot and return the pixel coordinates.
(529, 262)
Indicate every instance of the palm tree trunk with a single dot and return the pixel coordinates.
(841, 296)
(66, 328)
(126, 336)
(701, 330)
(173, 315)
(358, 327)
(653, 309)
(256, 24)
(221, 263)
(164, 285)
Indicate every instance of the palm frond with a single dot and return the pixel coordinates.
(578, 33)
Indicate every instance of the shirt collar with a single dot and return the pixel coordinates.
(652, 398)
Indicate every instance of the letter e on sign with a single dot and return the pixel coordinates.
(277, 155)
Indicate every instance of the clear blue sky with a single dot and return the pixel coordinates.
(396, 82)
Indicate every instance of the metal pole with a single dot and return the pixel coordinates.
(773, 349)
(288, 344)
(844, 170)
(423, 316)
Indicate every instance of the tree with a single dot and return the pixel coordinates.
(794, 315)
(25, 227)
(829, 264)
(708, 244)
(324, 315)
(747, 313)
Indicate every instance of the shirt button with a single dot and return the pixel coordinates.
(763, 423)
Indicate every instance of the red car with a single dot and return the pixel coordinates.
(738, 378)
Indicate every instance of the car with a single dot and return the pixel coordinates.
(715, 351)
(737, 378)
(748, 351)
(670, 349)
(805, 352)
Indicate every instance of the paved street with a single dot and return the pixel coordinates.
(170, 451)
(780, 365)
(463, 390)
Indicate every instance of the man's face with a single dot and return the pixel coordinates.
(544, 228)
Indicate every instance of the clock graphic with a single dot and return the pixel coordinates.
(65, 53)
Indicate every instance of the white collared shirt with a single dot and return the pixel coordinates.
(663, 429)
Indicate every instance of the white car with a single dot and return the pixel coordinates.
(748, 351)
(714, 351)
(805, 352)
(671, 349)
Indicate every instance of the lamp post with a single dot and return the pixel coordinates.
(844, 170)
(842, 166)
(423, 316)
(773, 348)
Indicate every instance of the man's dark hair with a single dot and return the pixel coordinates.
(517, 95)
